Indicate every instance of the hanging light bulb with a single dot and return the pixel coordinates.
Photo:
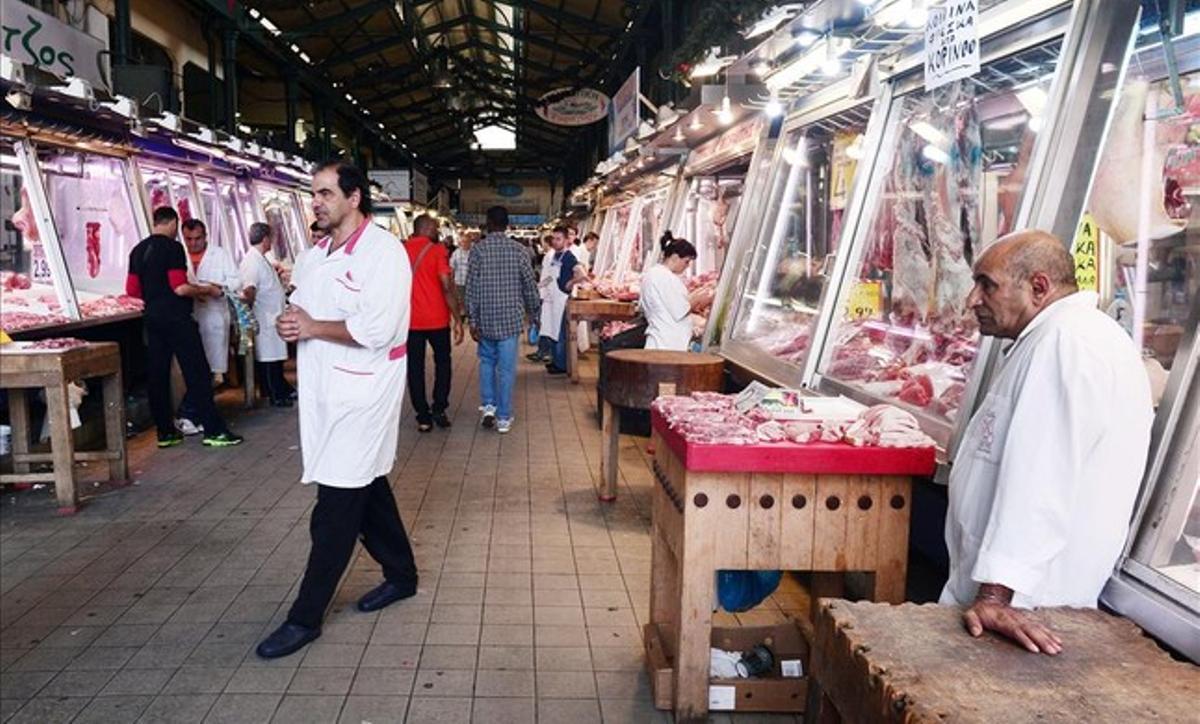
(774, 108)
(725, 115)
(678, 137)
(696, 124)
(832, 64)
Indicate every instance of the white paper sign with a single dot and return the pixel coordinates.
(32, 37)
(624, 113)
(721, 698)
(951, 42)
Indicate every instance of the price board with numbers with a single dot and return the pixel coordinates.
(1085, 249)
(865, 300)
(39, 269)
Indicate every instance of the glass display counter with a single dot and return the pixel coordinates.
(778, 302)
(289, 233)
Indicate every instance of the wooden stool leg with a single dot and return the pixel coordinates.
(62, 446)
(693, 638)
(248, 379)
(18, 405)
(610, 442)
(826, 585)
(573, 352)
(114, 427)
(820, 709)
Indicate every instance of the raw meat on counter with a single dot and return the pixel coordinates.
(708, 418)
(615, 327)
(14, 321)
(110, 305)
(57, 343)
(13, 281)
(629, 290)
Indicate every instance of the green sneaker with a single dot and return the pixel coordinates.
(171, 440)
(225, 439)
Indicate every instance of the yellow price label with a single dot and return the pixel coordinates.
(865, 300)
(1086, 250)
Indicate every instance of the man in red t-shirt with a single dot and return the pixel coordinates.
(433, 305)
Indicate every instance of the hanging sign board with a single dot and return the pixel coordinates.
(951, 42)
(623, 114)
(396, 183)
(420, 187)
(32, 37)
(579, 108)
(1085, 250)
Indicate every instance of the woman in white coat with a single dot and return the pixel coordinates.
(262, 289)
(665, 301)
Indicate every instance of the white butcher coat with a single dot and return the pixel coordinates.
(350, 397)
(269, 300)
(667, 308)
(212, 313)
(1045, 480)
(554, 300)
(582, 339)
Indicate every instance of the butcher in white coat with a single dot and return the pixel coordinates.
(665, 301)
(263, 289)
(349, 319)
(1048, 469)
(211, 265)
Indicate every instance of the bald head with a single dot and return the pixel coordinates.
(424, 225)
(1016, 278)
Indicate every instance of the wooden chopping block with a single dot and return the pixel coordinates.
(632, 377)
(909, 663)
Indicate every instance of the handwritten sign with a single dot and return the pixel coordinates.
(1085, 249)
(951, 42)
(34, 38)
(38, 266)
(865, 300)
(623, 113)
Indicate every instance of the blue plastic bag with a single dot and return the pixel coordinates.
(739, 591)
(534, 333)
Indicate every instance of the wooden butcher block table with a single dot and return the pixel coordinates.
(634, 378)
(878, 663)
(22, 369)
(591, 310)
(821, 507)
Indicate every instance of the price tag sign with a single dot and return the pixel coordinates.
(865, 301)
(666, 389)
(1085, 249)
(951, 42)
(39, 267)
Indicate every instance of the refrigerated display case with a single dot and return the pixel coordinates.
(775, 306)
(955, 168)
(97, 219)
(616, 219)
(289, 233)
(34, 287)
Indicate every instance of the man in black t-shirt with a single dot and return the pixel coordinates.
(158, 276)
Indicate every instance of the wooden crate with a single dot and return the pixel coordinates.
(766, 694)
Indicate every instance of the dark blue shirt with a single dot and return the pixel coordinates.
(566, 270)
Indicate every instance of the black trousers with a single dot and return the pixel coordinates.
(179, 338)
(341, 517)
(439, 340)
(272, 382)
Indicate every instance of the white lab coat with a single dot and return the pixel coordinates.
(1044, 482)
(667, 308)
(554, 300)
(350, 397)
(212, 313)
(269, 300)
(582, 340)
(582, 255)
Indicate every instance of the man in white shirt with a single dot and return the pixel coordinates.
(264, 291)
(1047, 473)
(349, 318)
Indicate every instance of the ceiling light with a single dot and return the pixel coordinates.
(725, 115)
(761, 68)
(772, 19)
(774, 108)
(855, 149)
(645, 130)
(798, 155)
(806, 38)
(712, 64)
(666, 116)
(926, 130)
(935, 154)
(1034, 100)
(1036, 123)
(696, 124)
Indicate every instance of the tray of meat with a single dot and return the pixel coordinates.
(708, 433)
(49, 345)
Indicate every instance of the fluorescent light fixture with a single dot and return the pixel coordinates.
(7, 160)
(725, 115)
(304, 57)
(774, 108)
(772, 19)
(198, 148)
(271, 27)
(1036, 123)
(902, 14)
(712, 64)
(495, 138)
(761, 68)
(797, 155)
(816, 58)
(806, 38)
(855, 149)
(1034, 100)
(935, 154)
(679, 137)
(925, 130)
(831, 66)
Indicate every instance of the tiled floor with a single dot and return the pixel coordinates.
(146, 606)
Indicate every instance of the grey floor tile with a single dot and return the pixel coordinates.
(496, 683)
(503, 711)
(449, 657)
(138, 682)
(76, 683)
(391, 656)
(243, 709)
(305, 709)
(325, 654)
(327, 681)
(564, 658)
(434, 710)
(561, 636)
(49, 710)
(259, 680)
(374, 709)
(383, 682)
(617, 658)
(102, 658)
(198, 680)
(566, 684)
(110, 709)
(624, 685)
(631, 711)
(444, 682)
(506, 658)
(45, 659)
(568, 711)
(23, 684)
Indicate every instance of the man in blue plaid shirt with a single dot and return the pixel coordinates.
(501, 290)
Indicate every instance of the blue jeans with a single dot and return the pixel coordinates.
(560, 345)
(498, 374)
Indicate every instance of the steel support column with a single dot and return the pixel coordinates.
(229, 53)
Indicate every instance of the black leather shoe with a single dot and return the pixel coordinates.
(555, 370)
(385, 594)
(441, 420)
(287, 639)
